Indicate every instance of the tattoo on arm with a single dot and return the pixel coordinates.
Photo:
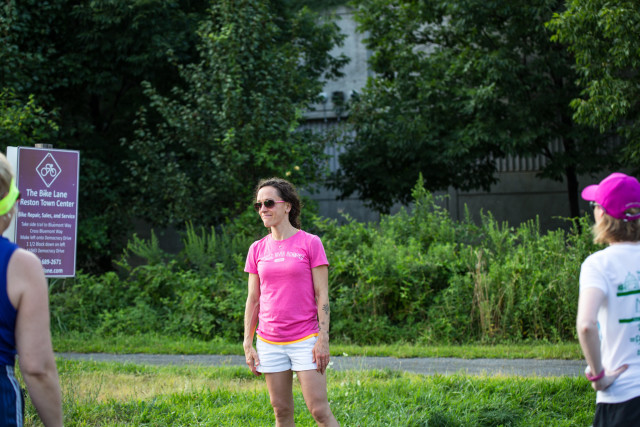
(325, 308)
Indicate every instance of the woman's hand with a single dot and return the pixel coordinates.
(608, 379)
(321, 352)
(251, 357)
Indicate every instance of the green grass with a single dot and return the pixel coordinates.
(108, 394)
(149, 343)
(141, 343)
(531, 350)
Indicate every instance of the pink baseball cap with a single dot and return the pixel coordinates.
(615, 194)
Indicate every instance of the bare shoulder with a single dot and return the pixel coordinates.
(25, 261)
(24, 272)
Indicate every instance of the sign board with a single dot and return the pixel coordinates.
(47, 218)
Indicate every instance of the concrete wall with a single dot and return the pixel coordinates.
(516, 198)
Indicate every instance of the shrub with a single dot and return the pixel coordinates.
(414, 276)
(522, 285)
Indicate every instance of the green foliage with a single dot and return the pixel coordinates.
(323, 5)
(604, 37)
(235, 119)
(85, 61)
(25, 123)
(198, 293)
(203, 250)
(521, 285)
(458, 85)
(149, 251)
(417, 276)
(153, 298)
(76, 303)
(183, 301)
(420, 276)
(207, 251)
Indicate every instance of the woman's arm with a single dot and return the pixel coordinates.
(251, 311)
(321, 288)
(588, 304)
(28, 289)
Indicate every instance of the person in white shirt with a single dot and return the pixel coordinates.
(608, 320)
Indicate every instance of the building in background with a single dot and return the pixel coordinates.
(517, 197)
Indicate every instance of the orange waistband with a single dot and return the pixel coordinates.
(287, 342)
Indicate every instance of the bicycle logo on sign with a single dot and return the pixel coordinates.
(48, 170)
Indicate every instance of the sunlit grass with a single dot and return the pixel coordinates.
(110, 394)
(103, 382)
(150, 343)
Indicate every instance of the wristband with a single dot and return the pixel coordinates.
(587, 373)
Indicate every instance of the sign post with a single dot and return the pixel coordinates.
(47, 217)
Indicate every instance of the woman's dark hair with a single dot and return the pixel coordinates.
(288, 192)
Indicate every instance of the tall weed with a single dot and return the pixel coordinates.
(206, 250)
(523, 285)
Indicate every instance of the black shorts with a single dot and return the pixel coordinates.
(621, 414)
(11, 401)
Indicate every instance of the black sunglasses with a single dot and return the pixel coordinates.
(267, 204)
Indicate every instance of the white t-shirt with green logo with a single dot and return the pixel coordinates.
(616, 271)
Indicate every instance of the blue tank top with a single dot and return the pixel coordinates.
(7, 311)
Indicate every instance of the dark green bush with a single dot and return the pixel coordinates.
(420, 276)
(198, 293)
(521, 285)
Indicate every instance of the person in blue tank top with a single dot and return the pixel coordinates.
(24, 323)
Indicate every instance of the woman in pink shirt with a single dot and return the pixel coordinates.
(288, 306)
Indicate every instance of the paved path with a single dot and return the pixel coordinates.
(426, 366)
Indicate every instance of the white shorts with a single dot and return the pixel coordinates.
(296, 356)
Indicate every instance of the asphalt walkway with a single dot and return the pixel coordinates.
(425, 366)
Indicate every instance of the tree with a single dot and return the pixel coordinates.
(604, 36)
(458, 85)
(234, 120)
(24, 123)
(86, 60)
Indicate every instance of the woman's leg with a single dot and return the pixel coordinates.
(280, 385)
(314, 390)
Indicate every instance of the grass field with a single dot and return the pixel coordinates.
(116, 394)
(150, 343)
(112, 394)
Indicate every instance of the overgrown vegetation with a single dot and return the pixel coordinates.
(416, 277)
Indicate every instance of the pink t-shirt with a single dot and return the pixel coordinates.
(288, 310)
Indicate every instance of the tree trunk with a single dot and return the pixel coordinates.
(572, 191)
